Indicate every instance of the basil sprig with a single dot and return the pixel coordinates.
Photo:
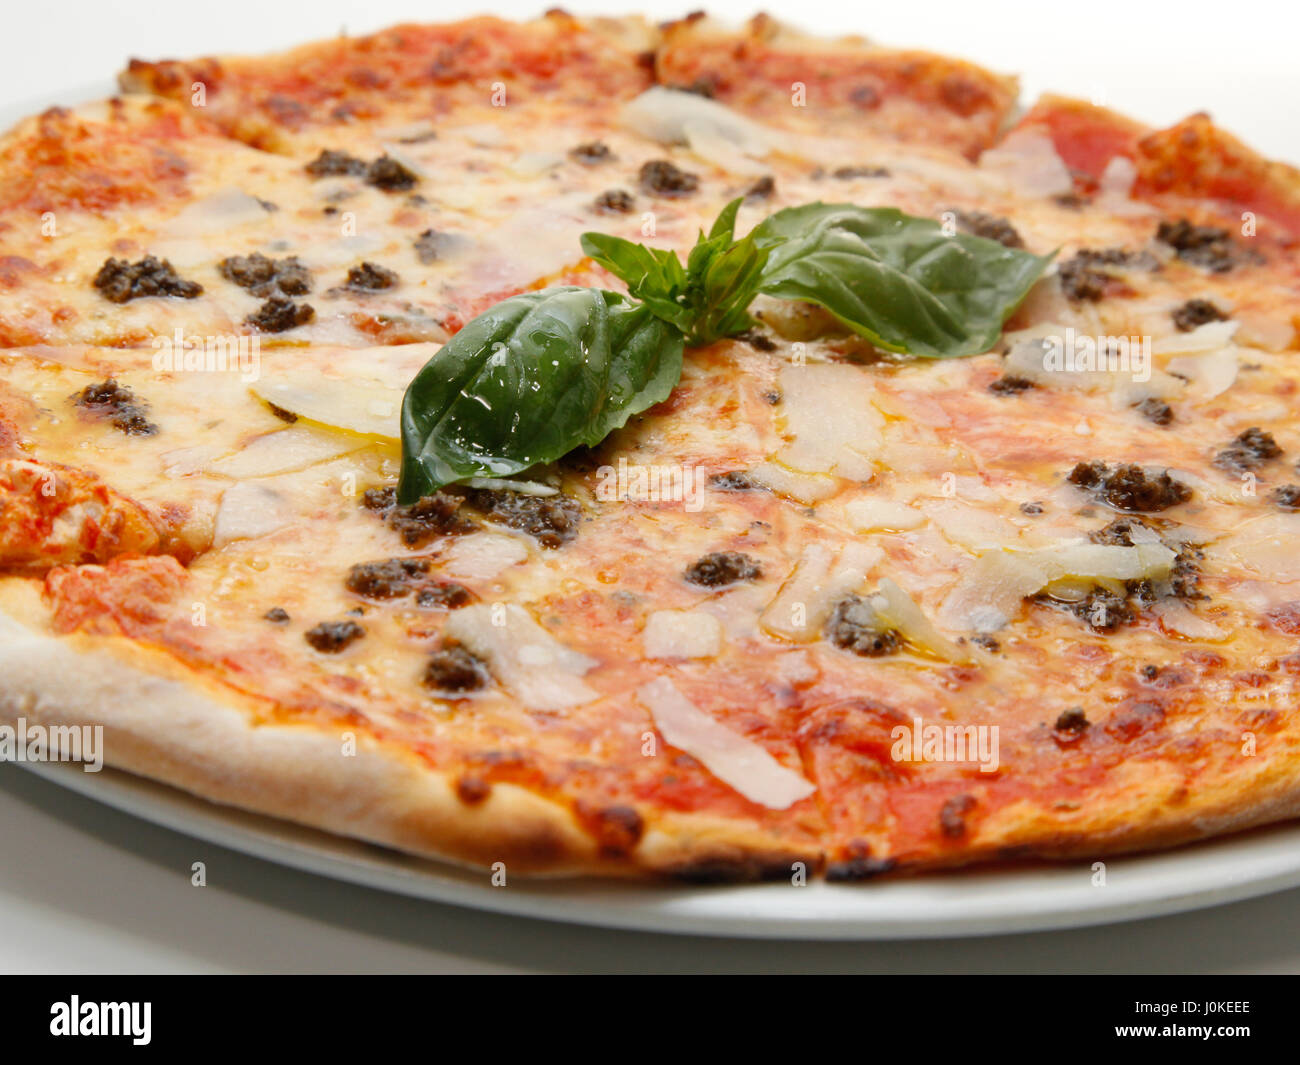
(541, 373)
(897, 280)
(530, 379)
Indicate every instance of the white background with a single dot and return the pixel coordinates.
(83, 888)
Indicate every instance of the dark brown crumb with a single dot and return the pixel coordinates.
(369, 277)
(723, 567)
(277, 615)
(854, 626)
(282, 414)
(989, 643)
(735, 481)
(952, 816)
(990, 227)
(1032, 508)
(1119, 533)
(427, 518)
(591, 153)
(1249, 451)
(551, 520)
(280, 313)
(1083, 277)
(1071, 725)
(1129, 487)
(615, 201)
(472, 790)
(118, 405)
(388, 174)
(756, 340)
(659, 177)
(1205, 246)
(331, 637)
(454, 669)
(1103, 611)
(445, 595)
(1156, 411)
(432, 245)
(762, 189)
(263, 276)
(120, 281)
(379, 498)
(1010, 385)
(848, 173)
(1286, 497)
(389, 579)
(331, 163)
(1196, 313)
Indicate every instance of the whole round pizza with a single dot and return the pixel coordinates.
(591, 446)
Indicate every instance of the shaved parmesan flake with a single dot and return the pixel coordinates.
(1029, 161)
(832, 425)
(818, 582)
(682, 634)
(1208, 337)
(1212, 372)
(803, 487)
(671, 116)
(483, 555)
(526, 660)
(733, 759)
(899, 611)
(873, 514)
(1175, 618)
(217, 214)
(355, 406)
(248, 511)
(285, 450)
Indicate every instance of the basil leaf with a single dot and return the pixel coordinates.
(529, 380)
(896, 279)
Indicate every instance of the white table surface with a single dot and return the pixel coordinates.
(86, 889)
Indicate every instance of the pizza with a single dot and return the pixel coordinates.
(586, 446)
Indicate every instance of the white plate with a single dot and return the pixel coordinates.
(954, 904)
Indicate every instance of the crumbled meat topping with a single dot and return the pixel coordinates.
(1286, 497)
(368, 277)
(756, 340)
(390, 579)
(735, 481)
(988, 226)
(444, 595)
(1010, 384)
(1103, 610)
(263, 276)
(1196, 313)
(331, 163)
(1071, 724)
(848, 173)
(551, 520)
(428, 517)
(762, 189)
(120, 281)
(1083, 277)
(659, 177)
(615, 201)
(1249, 451)
(1129, 487)
(1208, 247)
(591, 154)
(432, 245)
(1119, 533)
(277, 615)
(331, 637)
(280, 313)
(854, 626)
(454, 669)
(723, 567)
(1156, 411)
(118, 405)
(388, 174)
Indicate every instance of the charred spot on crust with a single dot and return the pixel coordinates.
(388, 174)
(762, 189)
(1286, 497)
(1156, 411)
(445, 595)
(854, 626)
(1071, 725)
(591, 154)
(454, 669)
(1249, 451)
(550, 520)
(472, 790)
(1129, 487)
(850, 870)
(369, 277)
(332, 163)
(988, 226)
(735, 481)
(118, 405)
(1010, 385)
(390, 579)
(617, 829)
(738, 869)
(1084, 276)
(331, 637)
(1131, 723)
(848, 173)
(615, 201)
(280, 313)
(722, 567)
(263, 276)
(1208, 247)
(952, 815)
(277, 615)
(120, 281)
(659, 177)
(1195, 313)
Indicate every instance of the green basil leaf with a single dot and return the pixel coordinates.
(529, 380)
(896, 279)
